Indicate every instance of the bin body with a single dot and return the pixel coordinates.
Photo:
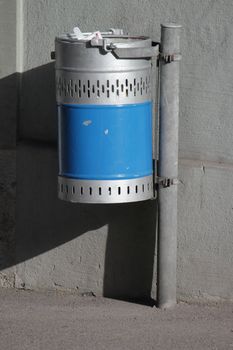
(104, 123)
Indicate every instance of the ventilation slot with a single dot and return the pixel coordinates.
(98, 87)
(79, 89)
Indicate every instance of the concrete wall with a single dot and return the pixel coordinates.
(8, 109)
(110, 250)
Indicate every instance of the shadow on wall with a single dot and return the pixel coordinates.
(8, 108)
(43, 222)
(129, 256)
(38, 118)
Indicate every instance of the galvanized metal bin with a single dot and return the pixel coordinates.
(103, 89)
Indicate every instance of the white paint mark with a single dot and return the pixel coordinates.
(87, 122)
(106, 131)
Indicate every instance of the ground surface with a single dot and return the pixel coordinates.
(30, 320)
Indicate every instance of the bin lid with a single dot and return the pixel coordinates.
(114, 40)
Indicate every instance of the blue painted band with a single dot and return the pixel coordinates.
(132, 105)
(105, 142)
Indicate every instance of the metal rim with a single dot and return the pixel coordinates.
(132, 40)
(171, 25)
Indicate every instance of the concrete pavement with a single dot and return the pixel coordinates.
(56, 320)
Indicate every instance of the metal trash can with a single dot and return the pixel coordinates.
(103, 89)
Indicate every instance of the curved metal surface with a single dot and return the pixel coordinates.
(91, 73)
(105, 142)
(105, 191)
(103, 88)
(82, 56)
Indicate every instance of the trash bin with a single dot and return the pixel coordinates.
(103, 89)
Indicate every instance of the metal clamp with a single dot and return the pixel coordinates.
(165, 182)
(168, 58)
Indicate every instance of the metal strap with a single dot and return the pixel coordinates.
(165, 181)
(168, 58)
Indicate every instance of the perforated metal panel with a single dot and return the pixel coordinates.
(87, 75)
(105, 191)
(105, 88)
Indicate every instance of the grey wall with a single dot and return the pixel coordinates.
(8, 80)
(8, 109)
(110, 250)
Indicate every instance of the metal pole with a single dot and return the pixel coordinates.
(168, 164)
